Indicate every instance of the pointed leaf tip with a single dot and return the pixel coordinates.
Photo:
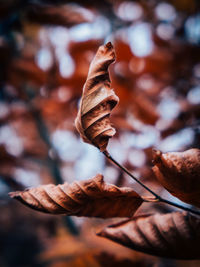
(156, 154)
(13, 194)
(109, 45)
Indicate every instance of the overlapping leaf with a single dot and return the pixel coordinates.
(97, 101)
(179, 173)
(92, 198)
(173, 235)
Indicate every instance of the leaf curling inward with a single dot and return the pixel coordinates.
(98, 100)
(174, 235)
(91, 198)
(179, 173)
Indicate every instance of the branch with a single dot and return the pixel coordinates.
(52, 162)
(157, 197)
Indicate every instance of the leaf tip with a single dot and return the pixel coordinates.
(109, 45)
(156, 156)
(101, 232)
(15, 195)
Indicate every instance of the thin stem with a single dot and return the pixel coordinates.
(130, 174)
(179, 206)
(159, 198)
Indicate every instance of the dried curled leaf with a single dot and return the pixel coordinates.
(179, 173)
(173, 235)
(97, 101)
(91, 198)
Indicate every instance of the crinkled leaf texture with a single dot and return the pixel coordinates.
(98, 100)
(91, 198)
(173, 235)
(179, 173)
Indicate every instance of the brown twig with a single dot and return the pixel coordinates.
(53, 163)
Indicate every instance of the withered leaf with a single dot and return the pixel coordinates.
(98, 100)
(179, 173)
(91, 198)
(173, 235)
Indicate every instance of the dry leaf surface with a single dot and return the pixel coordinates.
(91, 198)
(179, 173)
(173, 235)
(98, 100)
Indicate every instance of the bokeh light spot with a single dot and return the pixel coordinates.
(140, 38)
(129, 11)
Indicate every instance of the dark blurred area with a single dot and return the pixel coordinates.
(45, 51)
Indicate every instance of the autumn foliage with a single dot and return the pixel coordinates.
(122, 77)
(169, 235)
(91, 198)
(179, 172)
(166, 235)
(97, 101)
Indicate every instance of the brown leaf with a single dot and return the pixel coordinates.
(173, 235)
(91, 198)
(143, 108)
(27, 70)
(179, 173)
(54, 15)
(98, 100)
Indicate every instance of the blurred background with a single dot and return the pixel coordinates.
(45, 51)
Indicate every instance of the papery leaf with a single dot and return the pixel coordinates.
(91, 198)
(97, 101)
(173, 235)
(179, 173)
